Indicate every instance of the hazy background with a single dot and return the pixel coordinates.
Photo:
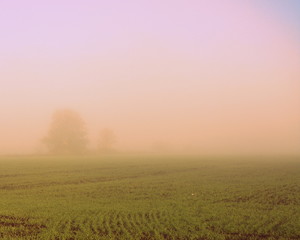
(207, 76)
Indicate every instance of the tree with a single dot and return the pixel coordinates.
(106, 140)
(67, 133)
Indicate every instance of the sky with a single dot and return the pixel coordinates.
(207, 76)
(289, 9)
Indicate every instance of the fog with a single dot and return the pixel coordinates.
(185, 77)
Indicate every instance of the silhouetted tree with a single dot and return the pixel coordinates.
(67, 133)
(106, 140)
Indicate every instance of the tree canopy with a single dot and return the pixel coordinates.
(67, 133)
(106, 140)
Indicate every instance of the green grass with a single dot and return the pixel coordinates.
(143, 197)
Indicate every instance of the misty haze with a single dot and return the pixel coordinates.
(150, 119)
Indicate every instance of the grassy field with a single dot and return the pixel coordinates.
(144, 197)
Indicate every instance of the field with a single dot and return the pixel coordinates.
(147, 197)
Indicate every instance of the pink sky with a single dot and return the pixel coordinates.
(205, 76)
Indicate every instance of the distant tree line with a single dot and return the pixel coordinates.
(67, 134)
